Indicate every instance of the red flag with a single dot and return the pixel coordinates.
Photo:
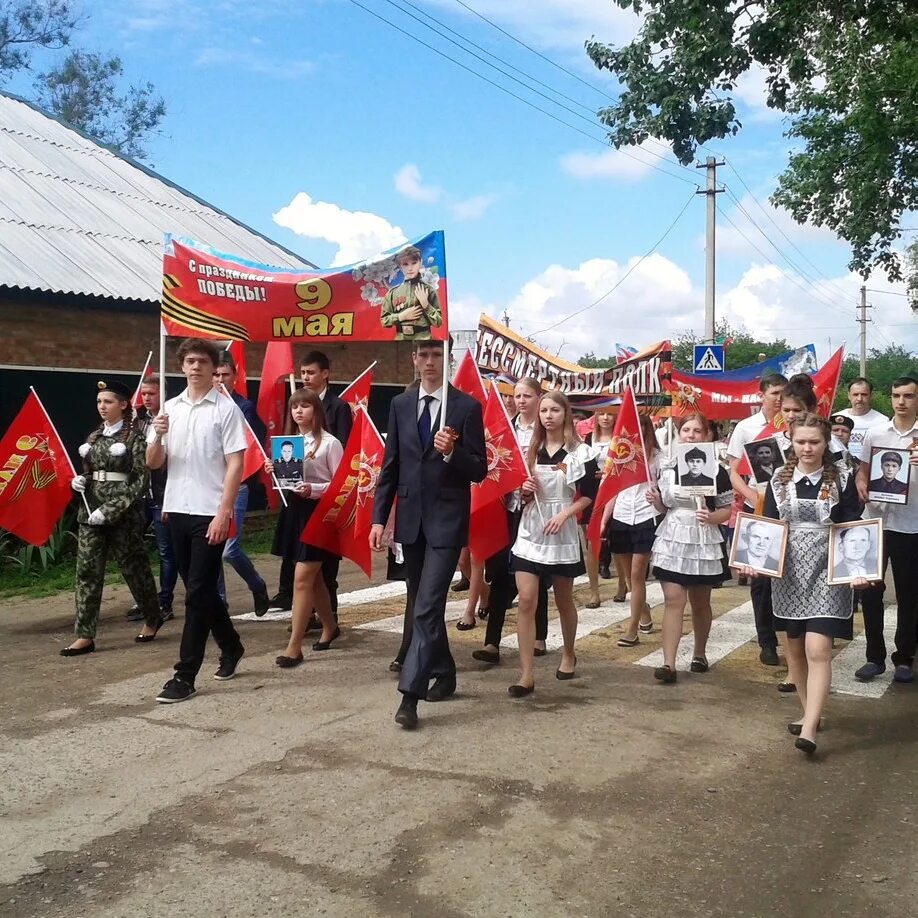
(342, 519)
(468, 379)
(507, 470)
(35, 475)
(272, 393)
(626, 464)
(237, 349)
(253, 461)
(357, 394)
(145, 374)
(825, 383)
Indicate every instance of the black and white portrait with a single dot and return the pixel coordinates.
(856, 550)
(888, 475)
(765, 458)
(759, 543)
(696, 468)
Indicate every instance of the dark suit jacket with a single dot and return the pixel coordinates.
(772, 563)
(698, 481)
(434, 496)
(870, 564)
(339, 416)
(882, 486)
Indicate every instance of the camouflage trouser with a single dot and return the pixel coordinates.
(124, 544)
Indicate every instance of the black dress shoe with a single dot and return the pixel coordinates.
(520, 691)
(147, 638)
(562, 675)
(460, 586)
(443, 687)
(539, 651)
(288, 662)
(486, 656)
(325, 645)
(314, 623)
(261, 602)
(395, 667)
(407, 714)
(79, 651)
(787, 687)
(769, 656)
(805, 745)
(797, 729)
(465, 626)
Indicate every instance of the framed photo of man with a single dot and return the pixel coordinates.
(696, 469)
(856, 550)
(759, 543)
(287, 454)
(888, 482)
(765, 458)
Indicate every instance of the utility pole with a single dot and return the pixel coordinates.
(863, 320)
(711, 191)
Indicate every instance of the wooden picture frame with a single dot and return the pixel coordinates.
(855, 550)
(707, 466)
(770, 546)
(758, 474)
(881, 490)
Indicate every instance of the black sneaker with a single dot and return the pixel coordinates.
(261, 602)
(134, 614)
(174, 691)
(228, 666)
(167, 613)
(280, 603)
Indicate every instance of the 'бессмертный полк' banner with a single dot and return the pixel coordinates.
(399, 295)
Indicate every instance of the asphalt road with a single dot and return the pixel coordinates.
(294, 792)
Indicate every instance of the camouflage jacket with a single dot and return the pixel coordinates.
(116, 499)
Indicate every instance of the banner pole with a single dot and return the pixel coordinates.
(445, 381)
(56, 434)
(292, 380)
(357, 379)
(143, 374)
(162, 367)
(248, 427)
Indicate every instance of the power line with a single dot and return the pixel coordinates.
(886, 292)
(625, 276)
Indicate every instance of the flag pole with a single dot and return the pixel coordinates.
(357, 379)
(292, 380)
(248, 427)
(143, 374)
(162, 367)
(66, 454)
(445, 381)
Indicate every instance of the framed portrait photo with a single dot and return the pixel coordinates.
(765, 458)
(696, 469)
(759, 543)
(287, 456)
(855, 550)
(888, 481)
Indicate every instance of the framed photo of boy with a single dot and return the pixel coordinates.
(855, 550)
(287, 454)
(888, 482)
(696, 469)
(765, 458)
(759, 543)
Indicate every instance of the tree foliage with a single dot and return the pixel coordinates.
(85, 88)
(845, 73)
(883, 366)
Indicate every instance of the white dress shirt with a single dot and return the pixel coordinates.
(862, 423)
(320, 465)
(201, 435)
(897, 517)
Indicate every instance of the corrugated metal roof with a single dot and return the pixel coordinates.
(77, 218)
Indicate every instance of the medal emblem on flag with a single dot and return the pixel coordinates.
(686, 396)
(625, 454)
(499, 457)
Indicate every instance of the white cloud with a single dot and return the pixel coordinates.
(246, 60)
(627, 164)
(357, 234)
(751, 92)
(408, 182)
(473, 208)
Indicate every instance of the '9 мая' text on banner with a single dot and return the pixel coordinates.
(399, 295)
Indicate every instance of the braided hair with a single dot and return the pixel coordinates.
(829, 469)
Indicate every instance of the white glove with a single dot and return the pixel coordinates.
(96, 518)
(79, 484)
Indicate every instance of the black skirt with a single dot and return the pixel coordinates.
(625, 539)
(841, 628)
(290, 525)
(541, 569)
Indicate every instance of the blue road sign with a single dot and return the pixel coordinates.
(709, 358)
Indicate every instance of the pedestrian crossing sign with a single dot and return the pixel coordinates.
(709, 358)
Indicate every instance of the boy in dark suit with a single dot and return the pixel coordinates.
(431, 471)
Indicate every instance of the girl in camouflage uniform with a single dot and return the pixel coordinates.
(115, 479)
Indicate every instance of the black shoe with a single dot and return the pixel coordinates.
(407, 714)
(134, 614)
(805, 745)
(443, 687)
(460, 586)
(395, 667)
(288, 662)
(148, 638)
(261, 602)
(175, 690)
(465, 626)
(699, 665)
(797, 729)
(665, 674)
(166, 612)
(280, 603)
(228, 666)
(314, 624)
(605, 573)
(564, 676)
(486, 656)
(325, 645)
(787, 687)
(539, 651)
(483, 613)
(769, 656)
(79, 651)
(520, 691)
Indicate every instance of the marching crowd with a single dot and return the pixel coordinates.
(180, 471)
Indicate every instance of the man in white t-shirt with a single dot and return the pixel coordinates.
(860, 392)
(203, 436)
(771, 386)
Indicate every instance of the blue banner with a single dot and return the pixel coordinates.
(802, 360)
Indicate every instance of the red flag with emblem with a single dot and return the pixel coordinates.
(357, 394)
(507, 470)
(35, 475)
(237, 349)
(342, 519)
(626, 464)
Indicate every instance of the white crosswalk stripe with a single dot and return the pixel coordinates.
(852, 657)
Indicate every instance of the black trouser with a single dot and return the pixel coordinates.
(285, 579)
(407, 629)
(900, 548)
(200, 563)
(503, 590)
(428, 573)
(330, 576)
(760, 592)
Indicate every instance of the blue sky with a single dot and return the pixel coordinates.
(337, 135)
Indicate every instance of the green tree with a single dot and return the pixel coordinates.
(883, 366)
(85, 88)
(845, 74)
(742, 349)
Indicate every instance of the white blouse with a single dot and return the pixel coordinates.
(319, 469)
